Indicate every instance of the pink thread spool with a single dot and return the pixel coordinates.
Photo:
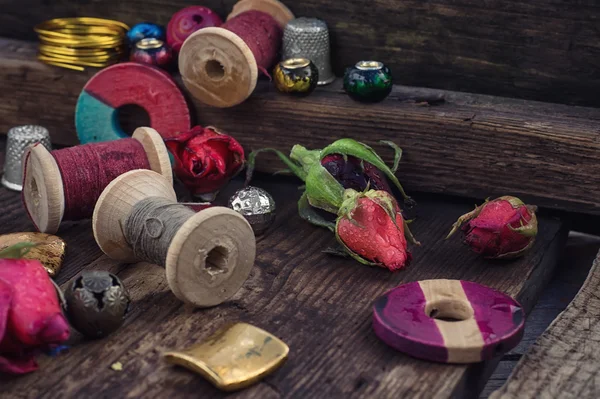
(219, 66)
(65, 184)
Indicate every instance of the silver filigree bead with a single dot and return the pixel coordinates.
(97, 303)
(256, 205)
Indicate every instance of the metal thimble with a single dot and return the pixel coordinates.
(17, 140)
(309, 38)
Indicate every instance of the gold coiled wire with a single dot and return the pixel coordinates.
(75, 43)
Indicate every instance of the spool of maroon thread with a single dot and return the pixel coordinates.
(65, 184)
(220, 66)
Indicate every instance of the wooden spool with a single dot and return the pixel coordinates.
(448, 321)
(43, 191)
(217, 66)
(210, 256)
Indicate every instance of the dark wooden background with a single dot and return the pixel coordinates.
(538, 49)
(473, 145)
(464, 144)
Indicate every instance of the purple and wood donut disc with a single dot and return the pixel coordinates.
(469, 322)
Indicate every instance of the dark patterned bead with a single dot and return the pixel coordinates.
(296, 76)
(368, 81)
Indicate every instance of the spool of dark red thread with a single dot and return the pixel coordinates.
(220, 66)
(65, 184)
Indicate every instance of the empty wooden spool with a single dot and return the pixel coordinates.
(217, 66)
(208, 259)
(43, 192)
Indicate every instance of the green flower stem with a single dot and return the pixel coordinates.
(293, 167)
(464, 218)
(305, 157)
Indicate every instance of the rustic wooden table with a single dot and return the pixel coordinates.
(320, 305)
(471, 145)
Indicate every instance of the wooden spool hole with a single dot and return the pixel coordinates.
(449, 310)
(214, 70)
(216, 260)
(35, 193)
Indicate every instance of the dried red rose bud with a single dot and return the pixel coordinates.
(503, 228)
(371, 229)
(205, 159)
(31, 318)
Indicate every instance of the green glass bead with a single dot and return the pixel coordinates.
(296, 76)
(368, 81)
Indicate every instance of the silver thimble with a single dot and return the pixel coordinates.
(17, 140)
(309, 38)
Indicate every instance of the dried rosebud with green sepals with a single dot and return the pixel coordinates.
(367, 169)
(346, 163)
(503, 228)
(372, 230)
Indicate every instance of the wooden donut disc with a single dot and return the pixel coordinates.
(115, 205)
(43, 189)
(414, 318)
(217, 67)
(97, 109)
(274, 8)
(156, 151)
(210, 257)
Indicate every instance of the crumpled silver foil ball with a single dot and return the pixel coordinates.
(256, 205)
(97, 303)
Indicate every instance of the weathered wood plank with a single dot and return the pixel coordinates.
(470, 145)
(320, 305)
(541, 49)
(572, 270)
(564, 360)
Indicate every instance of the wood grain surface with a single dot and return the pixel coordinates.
(563, 362)
(454, 143)
(537, 49)
(318, 304)
(471, 146)
(572, 270)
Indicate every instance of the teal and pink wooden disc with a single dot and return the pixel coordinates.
(448, 321)
(96, 114)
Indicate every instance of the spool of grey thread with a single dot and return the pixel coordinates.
(309, 38)
(17, 141)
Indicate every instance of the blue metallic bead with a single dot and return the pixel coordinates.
(145, 30)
